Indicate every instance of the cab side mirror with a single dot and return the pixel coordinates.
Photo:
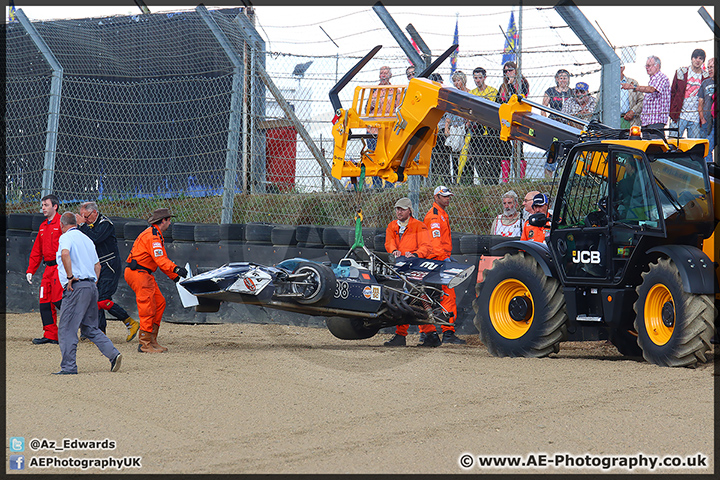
(538, 220)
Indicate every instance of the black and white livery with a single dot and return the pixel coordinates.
(358, 297)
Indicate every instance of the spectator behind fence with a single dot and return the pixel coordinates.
(555, 96)
(484, 142)
(656, 102)
(440, 160)
(684, 96)
(456, 129)
(513, 84)
(410, 72)
(705, 101)
(509, 222)
(382, 103)
(581, 104)
(527, 205)
(630, 102)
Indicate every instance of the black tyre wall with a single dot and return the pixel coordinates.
(282, 235)
(207, 232)
(258, 233)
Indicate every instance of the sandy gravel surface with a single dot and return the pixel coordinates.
(236, 398)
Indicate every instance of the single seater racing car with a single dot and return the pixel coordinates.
(359, 296)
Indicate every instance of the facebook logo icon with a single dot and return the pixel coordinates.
(17, 462)
(17, 444)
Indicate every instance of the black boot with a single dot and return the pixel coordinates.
(395, 341)
(450, 337)
(431, 340)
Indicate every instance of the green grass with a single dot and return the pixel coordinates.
(471, 210)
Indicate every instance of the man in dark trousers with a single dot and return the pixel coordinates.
(101, 231)
(44, 250)
(79, 270)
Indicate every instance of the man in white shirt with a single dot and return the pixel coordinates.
(79, 269)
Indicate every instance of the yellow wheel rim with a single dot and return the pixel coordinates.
(498, 308)
(657, 297)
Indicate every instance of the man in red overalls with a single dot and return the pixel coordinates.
(44, 250)
(147, 255)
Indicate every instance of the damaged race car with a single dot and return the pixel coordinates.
(359, 295)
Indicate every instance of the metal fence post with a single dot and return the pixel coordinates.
(235, 122)
(262, 74)
(53, 105)
(604, 54)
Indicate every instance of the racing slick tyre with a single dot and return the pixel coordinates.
(520, 312)
(674, 327)
(350, 328)
(319, 287)
(626, 342)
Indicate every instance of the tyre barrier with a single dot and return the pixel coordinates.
(338, 237)
(481, 244)
(37, 220)
(133, 228)
(368, 235)
(11, 232)
(207, 232)
(309, 236)
(119, 224)
(20, 221)
(283, 235)
(259, 233)
(183, 232)
(456, 243)
(379, 243)
(233, 232)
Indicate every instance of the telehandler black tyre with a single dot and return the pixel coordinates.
(350, 328)
(674, 327)
(520, 312)
(626, 342)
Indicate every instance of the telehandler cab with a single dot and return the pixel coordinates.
(631, 244)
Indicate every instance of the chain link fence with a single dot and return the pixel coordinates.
(190, 111)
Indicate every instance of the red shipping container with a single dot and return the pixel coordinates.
(281, 152)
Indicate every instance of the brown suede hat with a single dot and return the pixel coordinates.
(158, 215)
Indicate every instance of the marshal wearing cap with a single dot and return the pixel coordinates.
(443, 191)
(540, 199)
(403, 203)
(159, 214)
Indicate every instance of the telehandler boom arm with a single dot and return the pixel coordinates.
(404, 120)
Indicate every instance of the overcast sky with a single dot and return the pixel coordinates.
(297, 29)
